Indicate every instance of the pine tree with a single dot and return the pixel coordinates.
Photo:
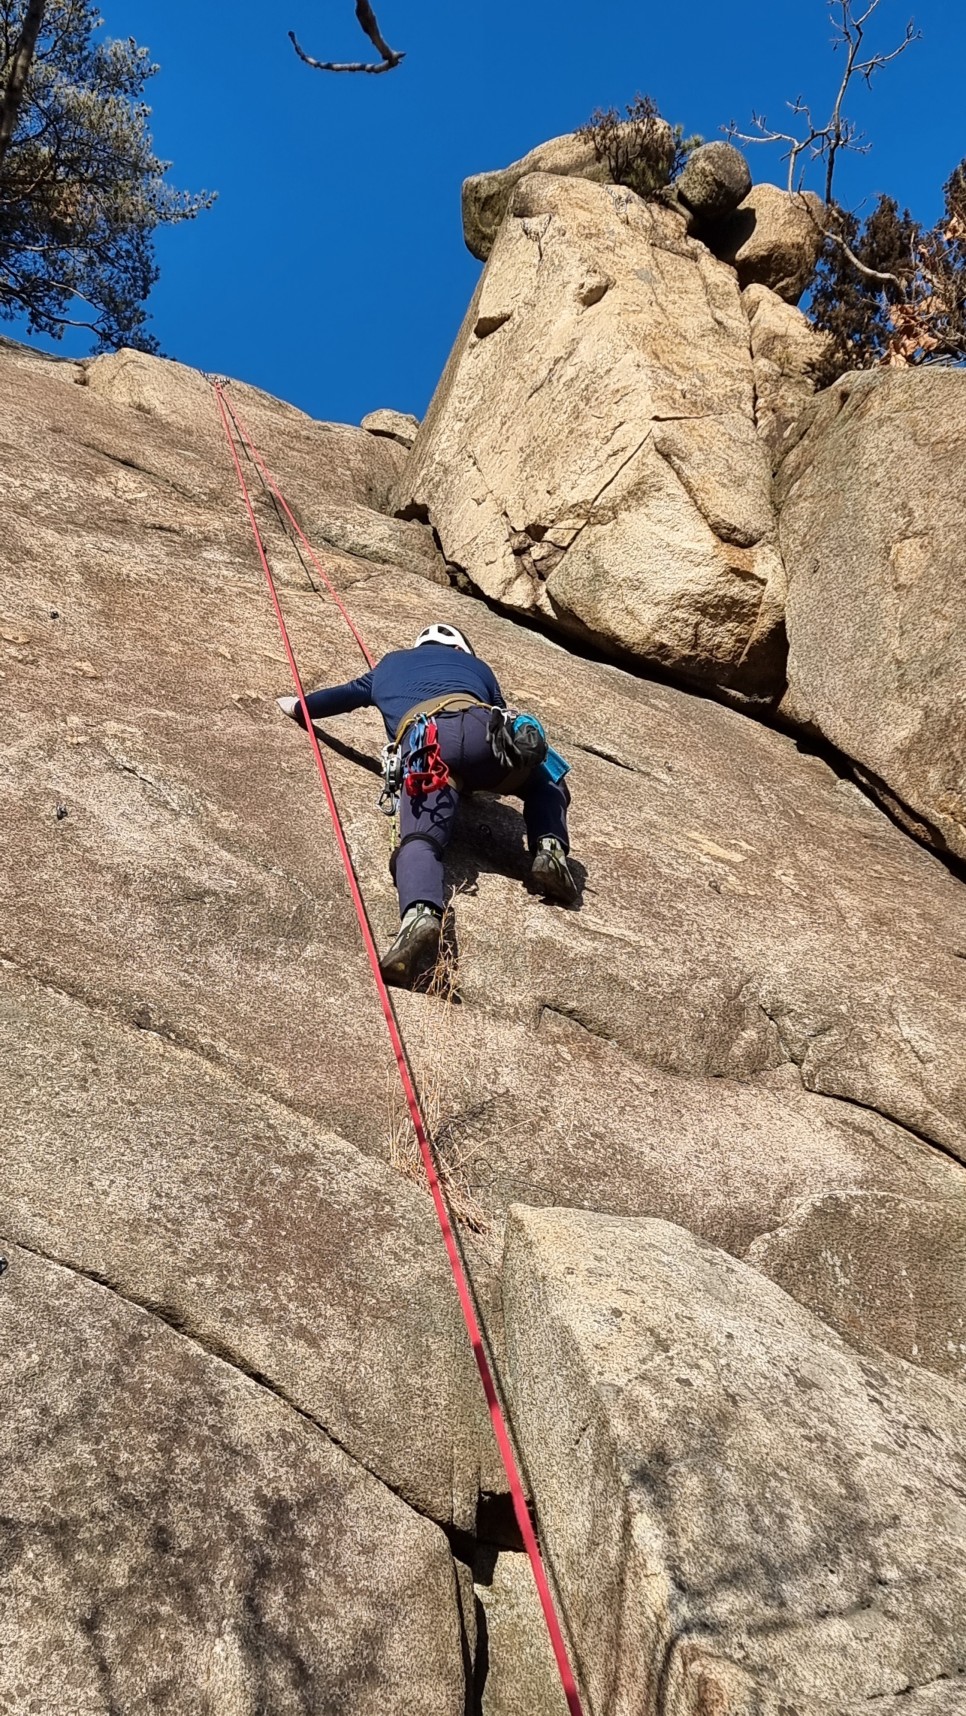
(891, 292)
(81, 189)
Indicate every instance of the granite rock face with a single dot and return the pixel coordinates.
(872, 495)
(753, 1026)
(177, 1539)
(742, 1513)
(590, 455)
(786, 355)
(264, 1236)
(884, 1271)
(522, 1678)
(339, 477)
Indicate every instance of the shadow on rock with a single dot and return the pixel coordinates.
(490, 839)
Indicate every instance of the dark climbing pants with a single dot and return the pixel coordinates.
(466, 752)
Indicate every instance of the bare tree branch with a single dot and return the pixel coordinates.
(15, 291)
(827, 231)
(796, 145)
(826, 142)
(18, 72)
(370, 25)
(869, 273)
(838, 134)
(367, 20)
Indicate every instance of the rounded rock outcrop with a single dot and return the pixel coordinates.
(486, 196)
(399, 426)
(773, 239)
(715, 179)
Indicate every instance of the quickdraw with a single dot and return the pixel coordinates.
(424, 770)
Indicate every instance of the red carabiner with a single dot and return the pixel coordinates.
(425, 769)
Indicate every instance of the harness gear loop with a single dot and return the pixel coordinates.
(424, 768)
(460, 1280)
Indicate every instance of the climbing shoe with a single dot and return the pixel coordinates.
(291, 707)
(414, 952)
(551, 872)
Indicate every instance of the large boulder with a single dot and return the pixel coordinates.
(175, 1538)
(590, 455)
(873, 493)
(787, 354)
(773, 239)
(486, 196)
(714, 180)
(742, 1513)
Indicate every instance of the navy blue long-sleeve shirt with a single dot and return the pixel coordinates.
(405, 679)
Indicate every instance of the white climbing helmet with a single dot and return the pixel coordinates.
(448, 635)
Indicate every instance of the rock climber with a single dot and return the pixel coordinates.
(445, 717)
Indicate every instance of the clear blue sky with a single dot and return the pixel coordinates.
(332, 269)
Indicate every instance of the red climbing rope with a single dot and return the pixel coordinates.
(459, 1274)
(271, 484)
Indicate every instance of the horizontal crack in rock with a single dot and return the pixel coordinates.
(605, 757)
(569, 1015)
(144, 471)
(915, 1686)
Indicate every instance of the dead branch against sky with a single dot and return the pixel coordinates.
(825, 142)
(370, 24)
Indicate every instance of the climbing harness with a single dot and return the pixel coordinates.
(456, 703)
(398, 770)
(417, 770)
(236, 434)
